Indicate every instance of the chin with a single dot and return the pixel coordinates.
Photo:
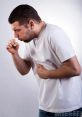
(28, 40)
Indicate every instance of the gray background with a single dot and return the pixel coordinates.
(19, 94)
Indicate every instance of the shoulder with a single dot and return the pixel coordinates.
(56, 35)
(54, 30)
(51, 28)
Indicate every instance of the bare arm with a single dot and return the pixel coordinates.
(22, 65)
(68, 69)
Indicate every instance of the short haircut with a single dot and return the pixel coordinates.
(23, 13)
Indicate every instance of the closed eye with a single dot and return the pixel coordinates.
(17, 30)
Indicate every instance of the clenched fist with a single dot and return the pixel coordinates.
(42, 71)
(12, 46)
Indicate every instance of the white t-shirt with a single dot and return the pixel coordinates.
(50, 49)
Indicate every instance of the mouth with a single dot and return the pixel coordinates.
(20, 39)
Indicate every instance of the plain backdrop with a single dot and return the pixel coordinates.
(19, 94)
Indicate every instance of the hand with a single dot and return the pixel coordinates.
(42, 72)
(12, 46)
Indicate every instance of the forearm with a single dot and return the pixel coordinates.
(22, 66)
(62, 72)
(68, 69)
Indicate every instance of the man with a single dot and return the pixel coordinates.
(53, 60)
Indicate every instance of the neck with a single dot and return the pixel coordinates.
(41, 26)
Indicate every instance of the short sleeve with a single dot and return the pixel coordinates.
(61, 45)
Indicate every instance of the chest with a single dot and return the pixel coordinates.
(42, 53)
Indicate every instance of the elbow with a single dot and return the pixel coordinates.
(23, 72)
(77, 71)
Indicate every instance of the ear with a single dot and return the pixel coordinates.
(31, 24)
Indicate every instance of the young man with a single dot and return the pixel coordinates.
(50, 54)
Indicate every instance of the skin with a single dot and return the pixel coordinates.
(28, 32)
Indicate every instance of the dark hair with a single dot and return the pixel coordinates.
(23, 13)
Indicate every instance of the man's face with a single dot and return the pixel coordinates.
(23, 32)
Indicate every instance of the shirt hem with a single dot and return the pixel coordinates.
(60, 110)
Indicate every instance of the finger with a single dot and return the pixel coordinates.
(13, 43)
(8, 46)
(38, 66)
